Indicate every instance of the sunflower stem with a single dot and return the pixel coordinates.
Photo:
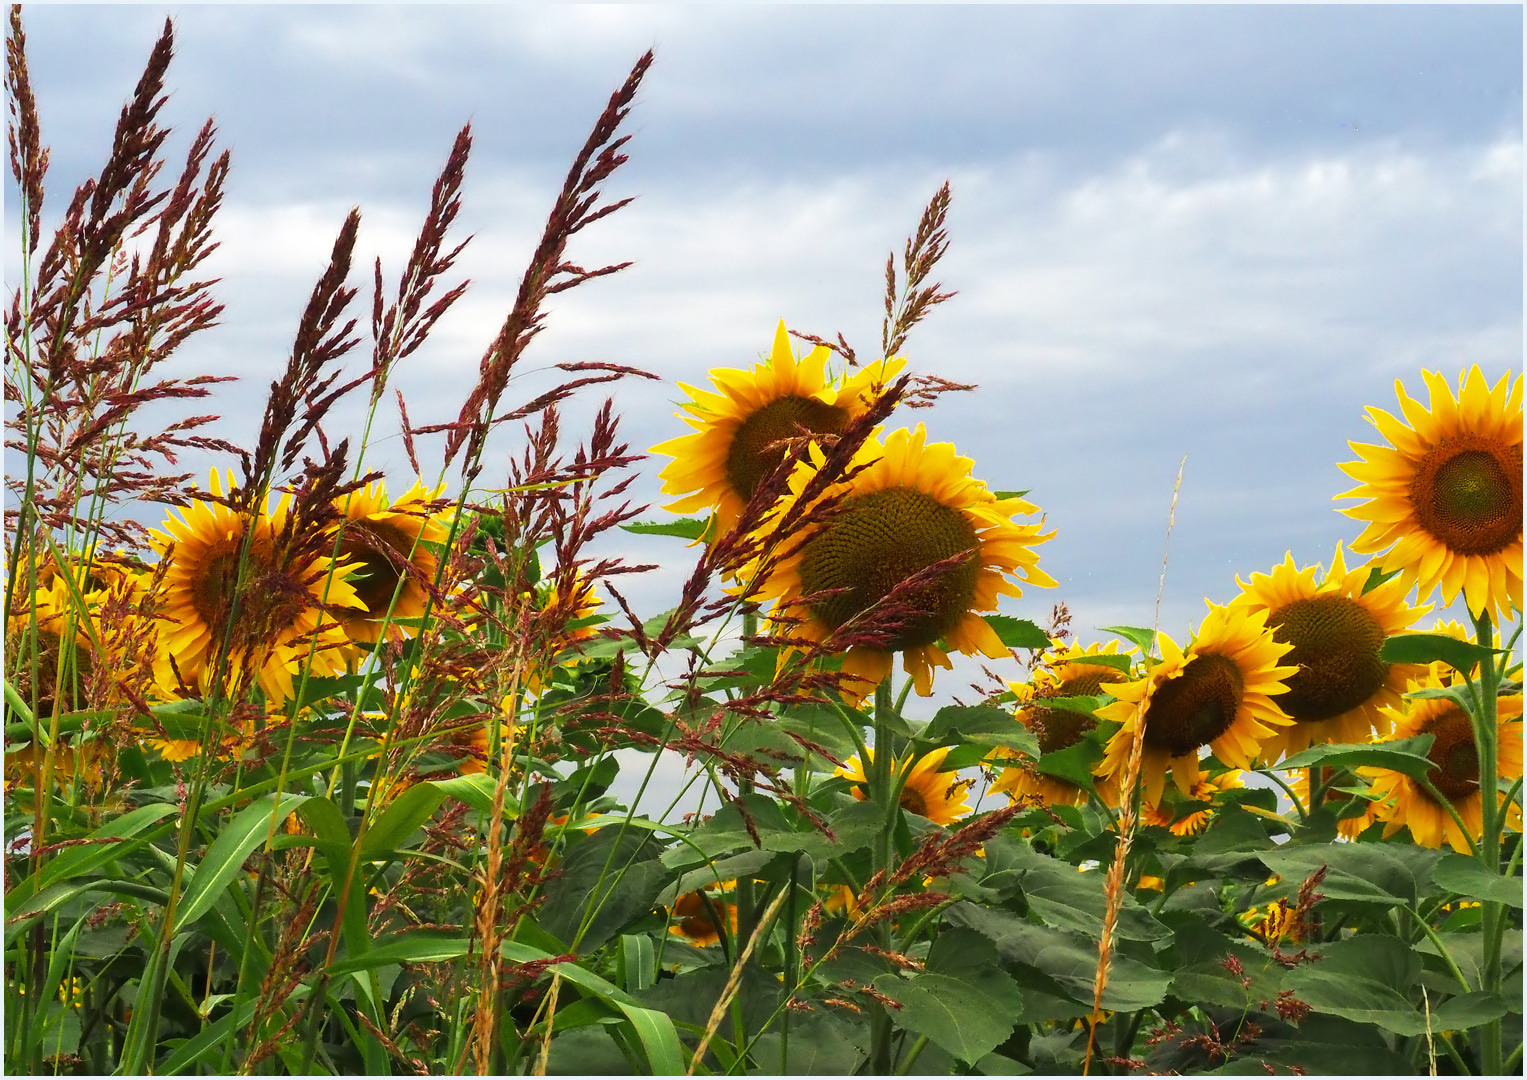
(879, 776)
(1486, 736)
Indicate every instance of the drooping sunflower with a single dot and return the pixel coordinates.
(1186, 820)
(699, 916)
(1063, 671)
(1336, 631)
(271, 607)
(1444, 499)
(927, 792)
(1455, 757)
(909, 506)
(1218, 694)
(48, 639)
(742, 434)
(392, 548)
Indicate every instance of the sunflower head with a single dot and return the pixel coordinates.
(901, 558)
(699, 916)
(1062, 671)
(1217, 693)
(237, 606)
(758, 418)
(391, 550)
(1335, 631)
(1187, 816)
(1402, 802)
(1444, 497)
(927, 792)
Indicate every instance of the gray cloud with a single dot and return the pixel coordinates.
(1218, 232)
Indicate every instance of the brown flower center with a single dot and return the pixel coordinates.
(1336, 648)
(1454, 754)
(1196, 707)
(877, 541)
(1468, 494)
(1056, 729)
(762, 439)
(379, 549)
(912, 799)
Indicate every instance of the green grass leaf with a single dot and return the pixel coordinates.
(400, 819)
(238, 836)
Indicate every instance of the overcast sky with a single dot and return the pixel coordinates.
(1217, 232)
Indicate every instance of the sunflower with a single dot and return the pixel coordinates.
(741, 434)
(392, 549)
(908, 507)
(586, 603)
(49, 638)
(937, 796)
(696, 916)
(1444, 500)
(1218, 693)
(1349, 827)
(273, 610)
(1063, 671)
(1455, 757)
(1336, 631)
(1195, 814)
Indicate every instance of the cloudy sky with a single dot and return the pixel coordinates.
(1217, 232)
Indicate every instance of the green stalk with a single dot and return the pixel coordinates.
(880, 779)
(1486, 736)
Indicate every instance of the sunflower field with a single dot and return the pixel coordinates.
(311, 770)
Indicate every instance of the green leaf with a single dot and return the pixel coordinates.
(1011, 494)
(411, 947)
(1376, 873)
(1067, 958)
(1140, 636)
(1356, 978)
(984, 725)
(606, 881)
(240, 835)
(476, 790)
(1461, 656)
(1063, 896)
(1018, 633)
(1468, 1011)
(400, 819)
(1464, 876)
(86, 858)
(686, 528)
(969, 1016)
(1406, 756)
(1074, 763)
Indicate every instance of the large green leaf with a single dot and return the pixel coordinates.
(1406, 756)
(238, 836)
(1201, 973)
(1069, 959)
(1377, 873)
(1461, 656)
(1060, 895)
(1464, 876)
(984, 725)
(969, 1016)
(606, 880)
(1356, 978)
(962, 1002)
